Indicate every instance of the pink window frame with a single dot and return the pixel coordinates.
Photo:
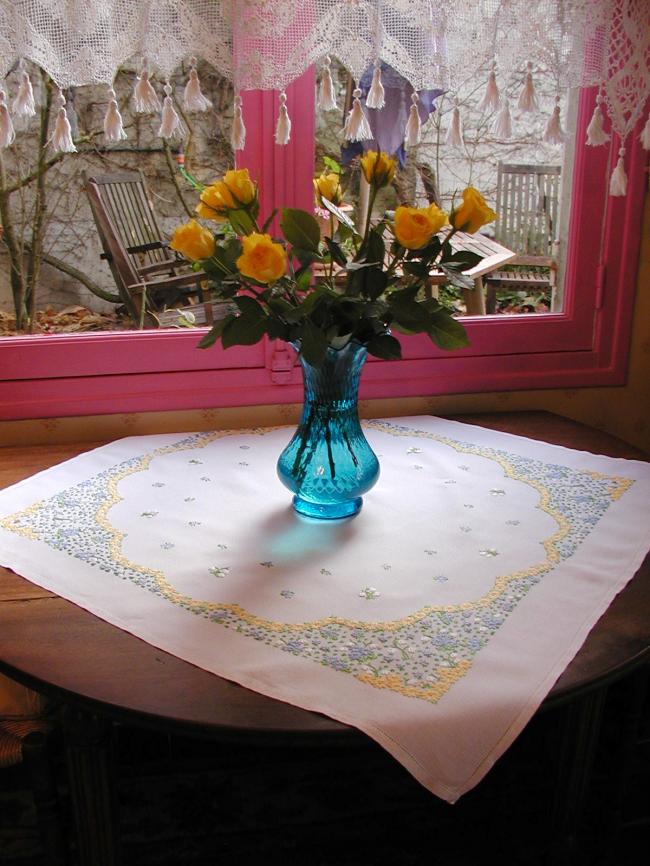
(586, 345)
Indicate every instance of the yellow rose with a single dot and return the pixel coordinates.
(216, 201)
(193, 241)
(240, 185)
(473, 212)
(328, 186)
(378, 168)
(262, 259)
(208, 213)
(415, 226)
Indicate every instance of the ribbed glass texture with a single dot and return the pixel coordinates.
(329, 464)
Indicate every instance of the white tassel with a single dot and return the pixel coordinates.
(376, 97)
(326, 100)
(144, 96)
(171, 125)
(528, 97)
(238, 131)
(455, 131)
(554, 133)
(644, 138)
(7, 134)
(356, 126)
(23, 104)
(113, 126)
(618, 181)
(596, 135)
(502, 126)
(193, 97)
(283, 128)
(490, 101)
(61, 138)
(412, 134)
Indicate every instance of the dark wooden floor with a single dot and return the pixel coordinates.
(186, 802)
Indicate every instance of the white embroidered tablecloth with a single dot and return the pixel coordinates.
(436, 620)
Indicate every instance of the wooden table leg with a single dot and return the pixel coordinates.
(92, 792)
(580, 730)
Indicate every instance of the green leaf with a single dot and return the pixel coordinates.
(249, 306)
(457, 277)
(306, 257)
(369, 281)
(313, 343)
(466, 259)
(336, 252)
(241, 221)
(375, 248)
(215, 332)
(332, 164)
(300, 228)
(245, 330)
(384, 346)
(416, 269)
(303, 278)
(340, 215)
(447, 332)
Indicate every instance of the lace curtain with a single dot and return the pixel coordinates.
(268, 43)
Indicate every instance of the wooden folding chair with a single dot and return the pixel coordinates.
(149, 277)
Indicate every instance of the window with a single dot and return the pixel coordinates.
(585, 344)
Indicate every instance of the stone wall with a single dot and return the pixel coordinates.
(70, 231)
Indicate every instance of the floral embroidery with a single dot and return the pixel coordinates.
(167, 545)
(413, 450)
(489, 551)
(497, 491)
(512, 522)
(267, 564)
(441, 578)
(325, 572)
(195, 462)
(465, 528)
(158, 484)
(149, 514)
(287, 593)
(382, 654)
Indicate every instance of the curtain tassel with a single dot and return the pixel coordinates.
(283, 128)
(528, 97)
(7, 134)
(326, 100)
(193, 97)
(596, 135)
(618, 181)
(144, 96)
(170, 125)
(113, 125)
(356, 126)
(238, 131)
(491, 100)
(23, 104)
(412, 135)
(554, 133)
(502, 126)
(61, 138)
(376, 97)
(645, 135)
(455, 131)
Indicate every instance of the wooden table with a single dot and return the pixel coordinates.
(101, 672)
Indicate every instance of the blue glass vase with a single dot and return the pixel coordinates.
(329, 464)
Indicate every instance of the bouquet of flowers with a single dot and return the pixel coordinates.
(320, 290)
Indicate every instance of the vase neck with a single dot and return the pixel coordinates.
(336, 381)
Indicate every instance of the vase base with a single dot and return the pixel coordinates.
(335, 511)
